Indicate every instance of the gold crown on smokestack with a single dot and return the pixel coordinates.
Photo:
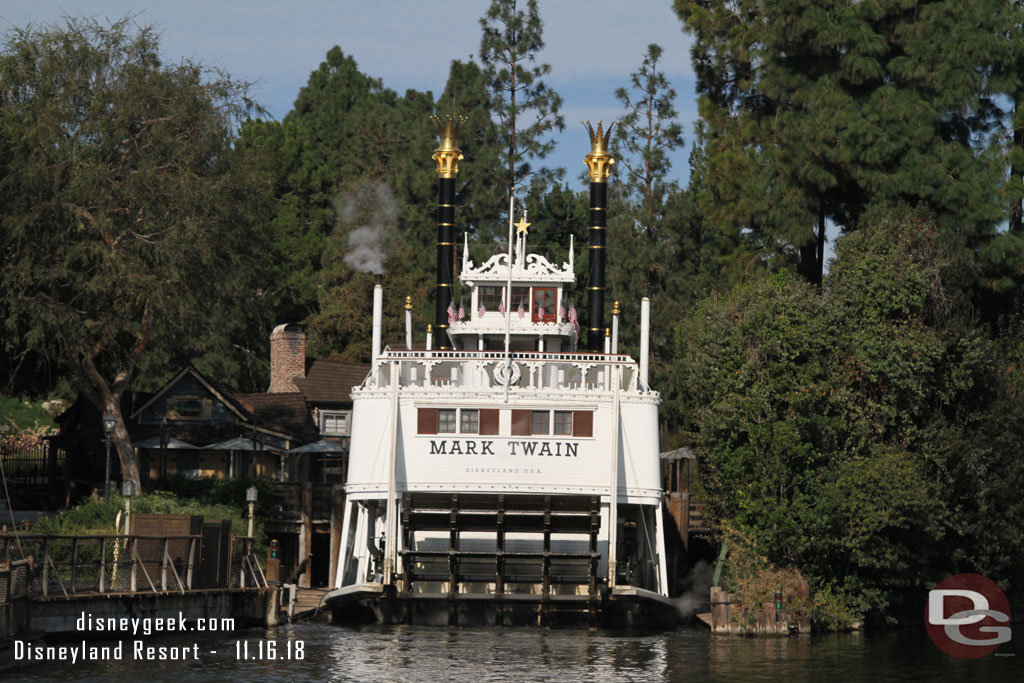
(599, 161)
(448, 155)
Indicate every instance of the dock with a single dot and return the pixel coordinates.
(50, 581)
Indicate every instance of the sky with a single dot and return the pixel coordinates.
(592, 46)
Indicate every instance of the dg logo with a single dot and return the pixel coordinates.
(964, 614)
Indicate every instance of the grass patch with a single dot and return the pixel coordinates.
(19, 415)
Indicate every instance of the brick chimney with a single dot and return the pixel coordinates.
(287, 358)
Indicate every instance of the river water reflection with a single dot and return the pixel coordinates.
(433, 654)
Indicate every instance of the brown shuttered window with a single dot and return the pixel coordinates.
(426, 421)
(488, 422)
(522, 422)
(582, 423)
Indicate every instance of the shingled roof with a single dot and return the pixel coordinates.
(330, 381)
(286, 413)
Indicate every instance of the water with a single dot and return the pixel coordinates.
(434, 655)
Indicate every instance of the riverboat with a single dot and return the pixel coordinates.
(502, 475)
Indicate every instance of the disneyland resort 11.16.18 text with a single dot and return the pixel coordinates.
(115, 627)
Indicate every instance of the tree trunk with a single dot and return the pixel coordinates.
(122, 442)
(812, 255)
(1016, 173)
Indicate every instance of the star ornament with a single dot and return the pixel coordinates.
(522, 225)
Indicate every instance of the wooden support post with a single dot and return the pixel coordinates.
(133, 556)
(163, 565)
(306, 533)
(74, 563)
(453, 560)
(46, 565)
(191, 560)
(546, 563)
(407, 533)
(499, 565)
(51, 474)
(595, 559)
(337, 523)
(103, 564)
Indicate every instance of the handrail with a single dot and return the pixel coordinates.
(69, 565)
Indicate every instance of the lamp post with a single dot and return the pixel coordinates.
(128, 491)
(108, 431)
(250, 498)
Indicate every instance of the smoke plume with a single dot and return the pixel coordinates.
(697, 595)
(371, 209)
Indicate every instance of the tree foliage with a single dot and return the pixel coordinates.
(127, 228)
(859, 435)
(512, 39)
(817, 111)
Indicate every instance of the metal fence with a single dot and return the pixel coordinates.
(29, 463)
(69, 565)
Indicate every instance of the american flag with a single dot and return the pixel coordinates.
(540, 313)
(462, 311)
(521, 310)
(561, 312)
(452, 315)
(480, 311)
(574, 320)
(501, 306)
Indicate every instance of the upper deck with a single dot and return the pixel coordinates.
(529, 376)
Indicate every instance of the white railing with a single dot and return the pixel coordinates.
(526, 373)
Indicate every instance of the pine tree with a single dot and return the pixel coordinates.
(646, 133)
(815, 112)
(512, 39)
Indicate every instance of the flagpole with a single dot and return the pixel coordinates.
(508, 295)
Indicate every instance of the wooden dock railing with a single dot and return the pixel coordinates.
(71, 565)
(14, 579)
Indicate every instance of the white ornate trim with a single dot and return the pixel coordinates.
(534, 268)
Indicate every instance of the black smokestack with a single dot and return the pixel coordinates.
(598, 164)
(447, 156)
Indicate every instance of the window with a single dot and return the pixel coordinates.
(544, 304)
(334, 423)
(189, 408)
(563, 422)
(566, 423)
(446, 421)
(541, 422)
(491, 296)
(470, 421)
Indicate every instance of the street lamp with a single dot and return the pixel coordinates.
(108, 431)
(250, 498)
(128, 490)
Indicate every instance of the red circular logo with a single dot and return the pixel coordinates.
(967, 616)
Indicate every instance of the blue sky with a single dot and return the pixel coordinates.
(592, 47)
